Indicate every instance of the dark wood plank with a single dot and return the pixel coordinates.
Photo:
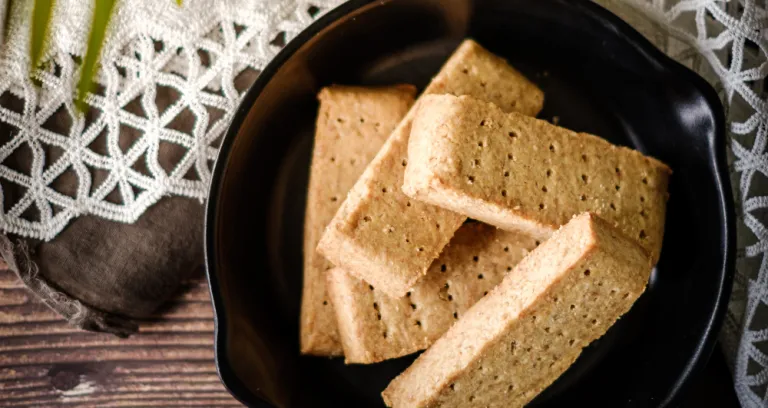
(46, 362)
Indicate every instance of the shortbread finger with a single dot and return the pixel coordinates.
(515, 342)
(520, 173)
(384, 237)
(352, 124)
(375, 327)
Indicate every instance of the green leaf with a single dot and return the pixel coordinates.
(41, 21)
(7, 20)
(102, 13)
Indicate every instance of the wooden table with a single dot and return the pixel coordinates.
(44, 362)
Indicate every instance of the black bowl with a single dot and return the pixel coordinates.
(599, 75)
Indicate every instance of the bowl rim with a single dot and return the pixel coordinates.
(631, 37)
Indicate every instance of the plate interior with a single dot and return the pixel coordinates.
(595, 79)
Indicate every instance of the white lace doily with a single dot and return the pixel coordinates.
(165, 66)
(171, 78)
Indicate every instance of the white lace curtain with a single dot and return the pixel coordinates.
(171, 78)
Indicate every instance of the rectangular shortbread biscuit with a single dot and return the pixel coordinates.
(352, 124)
(384, 237)
(516, 341)
(525, 174)
(375, 327)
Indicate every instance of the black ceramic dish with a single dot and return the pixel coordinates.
(599, 76)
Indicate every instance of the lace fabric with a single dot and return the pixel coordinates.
(171, 78)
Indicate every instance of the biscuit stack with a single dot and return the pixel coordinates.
(423, 230)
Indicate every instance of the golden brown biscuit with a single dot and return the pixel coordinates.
(524, 174)
(516, 341)
(352, 124)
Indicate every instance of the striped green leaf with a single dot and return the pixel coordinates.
(101, 15)
(41, 22)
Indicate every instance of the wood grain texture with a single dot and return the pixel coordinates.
(44, 362)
